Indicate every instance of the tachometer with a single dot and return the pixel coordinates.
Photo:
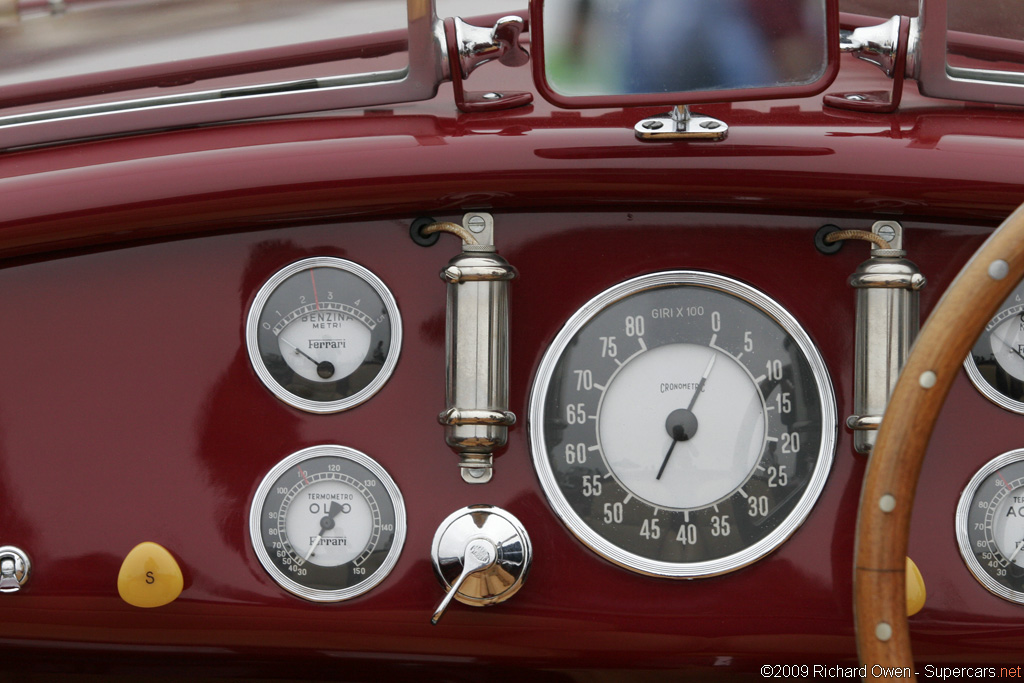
(327, 523)
(324, 334)
(682, 424)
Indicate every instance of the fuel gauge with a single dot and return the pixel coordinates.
(324, 334)
(996, 363)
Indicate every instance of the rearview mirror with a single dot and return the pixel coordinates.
(601, 53)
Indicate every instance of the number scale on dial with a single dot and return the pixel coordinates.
(682, 424)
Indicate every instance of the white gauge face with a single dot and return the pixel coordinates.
(706, 458)
(682, 424)
(328, 338)
(324, 334)
(1007, 343)
(990, 526)
(996, 362)
(330, 520)
(327, 523)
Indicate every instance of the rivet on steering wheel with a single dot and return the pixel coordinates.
(928, 379)
(883, 631)
(998, 269)
(887, 503)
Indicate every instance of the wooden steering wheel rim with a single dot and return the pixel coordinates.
(887, 497)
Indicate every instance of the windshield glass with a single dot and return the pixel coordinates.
(91, 37)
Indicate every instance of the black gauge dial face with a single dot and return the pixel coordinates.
(682, 424)
(990, 526)
(324, 334)
(996, 363)
(327, 523)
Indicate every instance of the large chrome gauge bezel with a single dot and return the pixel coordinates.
(259, 305)
(1003, 361)
(815, 479)
(378, 485)
(977, 507)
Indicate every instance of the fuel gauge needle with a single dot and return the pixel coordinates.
(324, 368)
(1007, 344)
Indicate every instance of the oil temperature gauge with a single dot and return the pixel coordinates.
(327, 523)
(324, 334)
(990, 526)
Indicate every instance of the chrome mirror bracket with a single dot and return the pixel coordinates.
(470, 46)
(886, 46)
(681, 124)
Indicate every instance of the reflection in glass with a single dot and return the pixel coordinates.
(985, 37)
(610, 47)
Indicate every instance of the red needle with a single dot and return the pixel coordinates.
(303, 475)
(315, 297)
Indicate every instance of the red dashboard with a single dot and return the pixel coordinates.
(130, 410)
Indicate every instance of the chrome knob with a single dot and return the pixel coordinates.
(14, 568)
(481, 555)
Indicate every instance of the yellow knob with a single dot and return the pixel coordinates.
(149, 576)
(915, 589)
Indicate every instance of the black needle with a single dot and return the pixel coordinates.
(681, 424)
(324, 368)
(326, 524)
(1007, 344)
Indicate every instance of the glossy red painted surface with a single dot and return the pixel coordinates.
(129, 410)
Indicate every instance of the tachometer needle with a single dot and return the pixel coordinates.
(682, 423)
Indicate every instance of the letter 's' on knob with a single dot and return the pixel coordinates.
(481, 555)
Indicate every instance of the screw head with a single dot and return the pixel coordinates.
(887, 232)
(710, 125)
(492, 95)
(476, 224)
(653, 125)
(856, 98)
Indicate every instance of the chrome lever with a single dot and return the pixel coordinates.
(483, 543)
(480, 554)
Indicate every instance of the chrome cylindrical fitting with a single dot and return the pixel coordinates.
(477, 417)
(888, 320)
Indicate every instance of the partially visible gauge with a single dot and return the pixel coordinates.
(996, 363)
(327, 523)
(682, 424)
(990, 526)
(324, 334)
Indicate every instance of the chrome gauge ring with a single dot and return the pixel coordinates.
(996, 362)
(327, 523)
(990, 526)
(324, 334)
(682, 424)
